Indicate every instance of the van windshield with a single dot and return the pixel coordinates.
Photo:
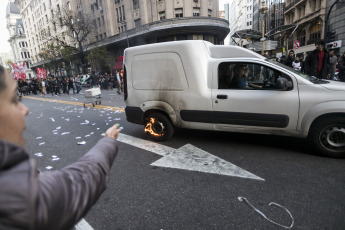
(312, 79)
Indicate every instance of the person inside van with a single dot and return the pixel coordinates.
(239, 80)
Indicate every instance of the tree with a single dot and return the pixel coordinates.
(100, 56)
(77, 30)
(53, 57)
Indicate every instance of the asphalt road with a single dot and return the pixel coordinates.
(142, 196)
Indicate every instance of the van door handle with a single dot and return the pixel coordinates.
(222, 96)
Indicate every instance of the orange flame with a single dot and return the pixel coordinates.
(148, 128)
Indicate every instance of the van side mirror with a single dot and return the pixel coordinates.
(283, 84)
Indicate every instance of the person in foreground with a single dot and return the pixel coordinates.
(50, 200)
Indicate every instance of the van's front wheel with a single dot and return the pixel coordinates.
(328, 137)
(158, 127)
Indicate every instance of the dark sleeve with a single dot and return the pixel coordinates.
(341, 65)
(66, 195)
(307, 65)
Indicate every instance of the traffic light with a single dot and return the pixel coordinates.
(331, 35)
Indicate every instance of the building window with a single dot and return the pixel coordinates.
(46, 18)
(99, 22)
(96, 37)
(69, 5)
(117, 1)
(117, 15)
(137, 23)
(105, 35)
(135, 4)
(20, 45)
(101, 37)
(44, 6)
(103, 20)
(315, 33)
(58, 8)
(301, 37)
(196, 12)
(95, 23)
(162, 15)
(209, 13)
(179, 13)
(123, 10)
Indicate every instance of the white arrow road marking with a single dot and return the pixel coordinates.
(83, 225)
(188, 157)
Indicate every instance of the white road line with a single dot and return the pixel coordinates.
(83, 225)
(146, 145)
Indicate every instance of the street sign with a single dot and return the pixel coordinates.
(335, 44)
(296, 44)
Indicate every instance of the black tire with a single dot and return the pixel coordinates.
(100, 102)
(328, 137)
(161, 128)
(84, 105)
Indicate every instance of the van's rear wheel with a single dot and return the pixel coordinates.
(328, 137)
(158, 127)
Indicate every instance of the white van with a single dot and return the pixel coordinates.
(198, 85)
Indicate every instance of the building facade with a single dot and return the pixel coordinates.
(118, 24)
(240, 16)
(17, 40)
(335, 31)
(308, 16)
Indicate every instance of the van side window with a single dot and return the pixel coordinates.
(247, 76)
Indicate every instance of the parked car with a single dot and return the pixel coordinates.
(190, 84)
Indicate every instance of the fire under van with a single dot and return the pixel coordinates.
(194, 85)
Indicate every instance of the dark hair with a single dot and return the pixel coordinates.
(2, 79)
(320, 42)
(292, 51)
(238, 66)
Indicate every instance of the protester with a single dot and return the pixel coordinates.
(317, 62)
(296, 64)
(118, 78)
(341, 68)
(332, 64)
(50, 200)
(282, 59)
(43, 87)
(290, 58)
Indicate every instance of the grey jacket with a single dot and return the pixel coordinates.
(55, 199)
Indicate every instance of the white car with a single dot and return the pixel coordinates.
(197, 85)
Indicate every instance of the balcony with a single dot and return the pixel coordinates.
(288, 7)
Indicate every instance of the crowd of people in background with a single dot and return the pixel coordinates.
(66, 85)
(319, 63)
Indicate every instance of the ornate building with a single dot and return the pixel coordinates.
(17, 39)
(118, 24)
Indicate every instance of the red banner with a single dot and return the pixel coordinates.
(19, 71)
(41, 72)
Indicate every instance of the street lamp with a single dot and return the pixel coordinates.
(126, 32)
(263, 10)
